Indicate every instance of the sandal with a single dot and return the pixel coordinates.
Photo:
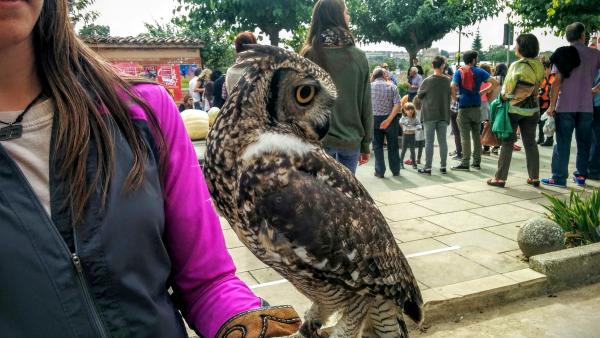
(494, 182)
(533, 182)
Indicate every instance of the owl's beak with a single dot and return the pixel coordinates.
(322, 129)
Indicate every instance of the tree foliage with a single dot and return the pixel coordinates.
(478, 45)
(80, 12)
(556, 14)
(270, 17)
(218, 52)
(498, 54)
(94, 30)
(416, 24)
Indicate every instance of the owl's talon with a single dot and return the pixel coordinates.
(310, 329)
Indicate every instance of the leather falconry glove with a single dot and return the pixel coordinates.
(266, 322)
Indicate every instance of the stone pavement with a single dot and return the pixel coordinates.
(458, 233)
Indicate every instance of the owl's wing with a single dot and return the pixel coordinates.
(324, 222)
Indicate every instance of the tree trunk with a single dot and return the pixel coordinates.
(412, 54)
(274, 37)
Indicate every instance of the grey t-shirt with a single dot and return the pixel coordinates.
(435, 97)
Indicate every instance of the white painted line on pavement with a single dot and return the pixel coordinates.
(431, 252)
(418, 254)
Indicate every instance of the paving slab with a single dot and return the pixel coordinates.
(266, 275)
(488, 198)
(524, 192)
(446, 268)
(404, 211)
(434, 191)
(470, 186)
(461, 221)
(415, 229)
(497, 262)
(422, 245)
(536, 205)
(231, 239)
(396, 197)
(480, 238)
(245, 260)
(446, 204)
(506, 213)
(509, 230)
(247, 278)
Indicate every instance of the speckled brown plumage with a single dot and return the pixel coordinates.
(300, 211)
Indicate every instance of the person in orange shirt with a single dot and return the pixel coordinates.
(545, 89)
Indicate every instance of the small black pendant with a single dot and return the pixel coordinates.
(11, 132)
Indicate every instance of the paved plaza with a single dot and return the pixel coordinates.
(458, 233)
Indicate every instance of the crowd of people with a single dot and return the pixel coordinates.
(563, 92)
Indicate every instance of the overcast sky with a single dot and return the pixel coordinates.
(127, 17)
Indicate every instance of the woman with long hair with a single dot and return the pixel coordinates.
(103, 206)
(331, 45)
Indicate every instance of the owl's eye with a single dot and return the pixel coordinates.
(305, 94)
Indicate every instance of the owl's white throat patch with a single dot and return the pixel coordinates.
(274, 142)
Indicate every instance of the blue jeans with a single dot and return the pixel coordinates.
(198, 105)
(391, 134)
(594, 166)
(565, 124)
(348, 158)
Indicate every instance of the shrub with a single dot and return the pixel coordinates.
(578, 216)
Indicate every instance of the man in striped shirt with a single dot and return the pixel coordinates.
(386, 106)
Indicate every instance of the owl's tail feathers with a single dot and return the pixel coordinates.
(414, 310)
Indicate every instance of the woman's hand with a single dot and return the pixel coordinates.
(386, 123)
(550, 111)
(363, 159)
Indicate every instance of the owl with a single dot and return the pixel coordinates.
(300, 211)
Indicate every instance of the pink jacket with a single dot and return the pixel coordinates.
(203, 271)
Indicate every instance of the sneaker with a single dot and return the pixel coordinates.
(425, 171)
(460, 167)
(379, 175)
(443, 170)
(549, 142)
(396, 174)
(552, 182)
(454, 153)
(495, 150)
(579, 180)
(415, 166)
(408, 162)
(457, 157)
(476, 166)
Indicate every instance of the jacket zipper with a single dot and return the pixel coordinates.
(74, 257)
(84, 287)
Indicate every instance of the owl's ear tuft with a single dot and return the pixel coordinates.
(274, 94)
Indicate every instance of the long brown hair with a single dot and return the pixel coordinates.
(327, 14)
(81, 85)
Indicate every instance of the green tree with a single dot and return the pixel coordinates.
(416, 24)
(296, 42)
(270, 17)
(218, 52)
(477, 45)
(498, 54)
(556, 14)
(94, 30)
(80, 12)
